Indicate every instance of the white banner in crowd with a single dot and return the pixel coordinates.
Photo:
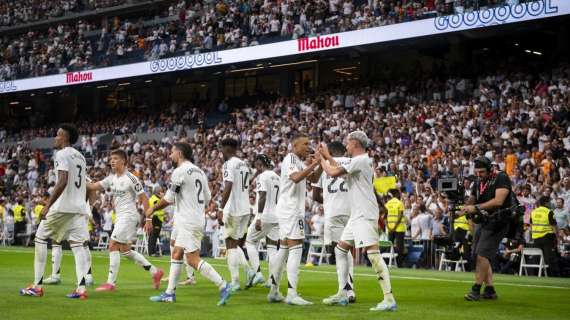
(453, 23)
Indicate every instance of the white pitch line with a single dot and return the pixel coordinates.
(356, 274)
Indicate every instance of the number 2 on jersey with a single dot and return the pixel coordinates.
(340, 187)
(198, 184)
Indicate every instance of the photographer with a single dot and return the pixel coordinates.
(490, 193)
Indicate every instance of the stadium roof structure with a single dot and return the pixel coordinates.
(469, 21)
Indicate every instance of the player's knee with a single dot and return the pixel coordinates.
(177, 253)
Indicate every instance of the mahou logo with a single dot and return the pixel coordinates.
(73, 77)
(306, 44)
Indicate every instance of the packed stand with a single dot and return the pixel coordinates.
(518, 120)
(21, 12)
(188, 27)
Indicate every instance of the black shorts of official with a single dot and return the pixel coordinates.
(487, 239)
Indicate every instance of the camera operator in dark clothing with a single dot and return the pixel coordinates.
(490, 194)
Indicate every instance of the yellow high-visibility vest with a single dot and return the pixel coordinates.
(395, 207)
(18, 213)
(461, 223)
(37, 210)
(540, 223)
(153, 201)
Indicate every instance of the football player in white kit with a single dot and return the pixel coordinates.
(57, 252)
(236, 209)
(265, 224)
(333, 194)
(361, 230)
(290, 212)
(126, 190)
(64, 213)
(190, 193)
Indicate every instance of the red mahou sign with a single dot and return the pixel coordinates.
(306, 44)
(73, 77)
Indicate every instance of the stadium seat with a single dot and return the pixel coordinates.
(445, 263)
(7, 234)
(141, 245)
(391, 255)
(103, 243)
(541, 266)
(317, 249)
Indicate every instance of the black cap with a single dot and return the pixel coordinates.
(482, 163)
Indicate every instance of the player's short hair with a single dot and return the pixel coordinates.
(297, 137)
(359, 136)
(337, 148)
(230, 142)
(72, 132)
(263, 159)
(119, 152)
(185, 149)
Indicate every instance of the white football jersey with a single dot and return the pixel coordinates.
(72, 199)
(292, 195)
(336, 201)
(268, 182)
(238, 173)
(190, 193)
(125, 189)
(359, 177)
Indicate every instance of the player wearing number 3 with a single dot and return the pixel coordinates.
(63, 217)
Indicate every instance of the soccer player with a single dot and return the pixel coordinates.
(362, 227)
(126, 189)
(290, 212)
(333, 193)
(236, 209)
(57, 253)
(265, 224)
(64, 213)
(190, 193)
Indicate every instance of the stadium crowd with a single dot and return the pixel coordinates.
(187, 27)
(421, 130)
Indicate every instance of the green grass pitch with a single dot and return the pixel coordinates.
(420, 295)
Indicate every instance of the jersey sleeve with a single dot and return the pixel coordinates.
(61, 162)
(106, 183)
(206, 191)
(355, 165)
(262, 184)
(176, 181)
(136, 185)
(228, 172)
(290, 164)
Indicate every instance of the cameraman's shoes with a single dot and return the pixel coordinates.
(489, 294)
(473, 296)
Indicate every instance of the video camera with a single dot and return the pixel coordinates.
(453, 188)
